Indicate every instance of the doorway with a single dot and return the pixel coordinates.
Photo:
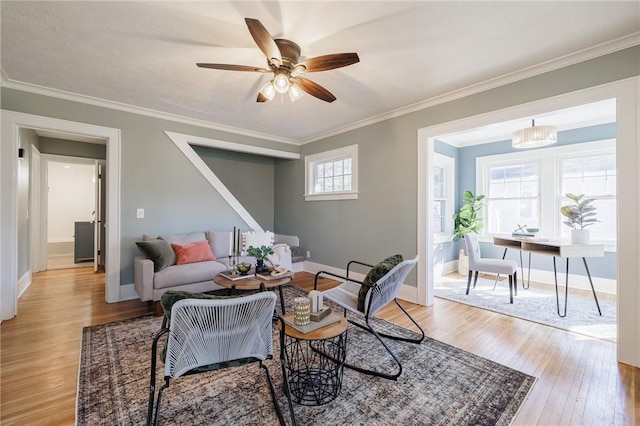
(70, 213)
(625, 94)
(12, 122)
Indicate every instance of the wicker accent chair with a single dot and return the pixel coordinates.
(377, 294)
(206, 334)
(494, 266)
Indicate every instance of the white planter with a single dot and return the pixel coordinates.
(463, 263)
(579, 236)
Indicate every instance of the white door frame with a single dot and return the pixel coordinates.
(12, 122)
(627, 95)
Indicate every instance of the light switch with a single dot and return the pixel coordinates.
(140, 214)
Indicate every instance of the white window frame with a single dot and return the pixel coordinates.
(310, 161)
(449, 166)
(549, 160)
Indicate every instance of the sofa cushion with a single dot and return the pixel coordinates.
(200, 251)
(256, 239)
(219, 242)
(190, 273)
(159, 251)
(184, 238)
(375, 273)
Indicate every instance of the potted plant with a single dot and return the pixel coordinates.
(579, 215)
(261, 254)
(467, 219)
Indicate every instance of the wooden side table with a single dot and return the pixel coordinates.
(313, 363)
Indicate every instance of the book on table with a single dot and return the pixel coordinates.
(233, 275)
(268, 277)
(313, 325)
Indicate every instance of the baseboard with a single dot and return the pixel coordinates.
(23, 283)
(442, 269)
(407, 292)
(128, 292)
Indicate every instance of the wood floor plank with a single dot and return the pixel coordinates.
(578, 379)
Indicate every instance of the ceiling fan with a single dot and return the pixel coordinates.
(282, 58)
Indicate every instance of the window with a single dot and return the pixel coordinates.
(594, 176)
(332, 175)
(528, 187)
(443, 196)
(513, 198)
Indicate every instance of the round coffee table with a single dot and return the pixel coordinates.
(254, 284)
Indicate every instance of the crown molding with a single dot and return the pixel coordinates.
(90, 100)
(551, 65)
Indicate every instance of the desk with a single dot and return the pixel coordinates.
(554, 249)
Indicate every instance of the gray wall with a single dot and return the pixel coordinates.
(72, 148)
(383, 220)
(155, 175)
(248, 177)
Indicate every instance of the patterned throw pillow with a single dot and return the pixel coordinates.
(377, 272)
(159, 251)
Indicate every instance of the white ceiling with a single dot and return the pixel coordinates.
(143, 54)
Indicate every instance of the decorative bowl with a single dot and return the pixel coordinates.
(243, 268)
(533, 230)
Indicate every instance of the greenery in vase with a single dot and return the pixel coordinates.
(260, 253)
(467, 218)
(581, 213)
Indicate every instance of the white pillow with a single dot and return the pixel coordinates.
(256, 239)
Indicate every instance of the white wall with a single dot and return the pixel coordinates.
(71, 198)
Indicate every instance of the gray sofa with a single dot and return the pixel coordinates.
(151, 281)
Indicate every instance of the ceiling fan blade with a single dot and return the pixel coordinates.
(327, 62)
(261, 98)
(264, 41)
(314, 89)
(229, 67)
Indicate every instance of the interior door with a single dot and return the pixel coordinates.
(100, 226)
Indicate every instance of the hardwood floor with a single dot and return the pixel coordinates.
(579, 381)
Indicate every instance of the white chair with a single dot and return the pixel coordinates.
(493, 266)
(211, 334)
(382, 292)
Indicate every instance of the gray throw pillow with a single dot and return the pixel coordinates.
(159, 251)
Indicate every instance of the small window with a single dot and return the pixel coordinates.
(332, 175)
(443, 196)
(594, 176)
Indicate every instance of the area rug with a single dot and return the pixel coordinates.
(440, 384)
(537, 304)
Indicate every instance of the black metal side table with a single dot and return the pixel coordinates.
(313, 363)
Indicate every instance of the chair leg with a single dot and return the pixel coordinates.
(156, 416)
(285, 379)
(388, 349)
(152, 381)
(469, 281)
(273, 396)
(475, 279)
(510, 288)
(405, 339)
(515, 282)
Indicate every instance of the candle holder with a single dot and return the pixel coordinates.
(301, 311)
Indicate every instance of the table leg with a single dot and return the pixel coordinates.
(566, 287)
(281, 300)
(591, 282)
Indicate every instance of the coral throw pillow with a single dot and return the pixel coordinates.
(200, 251)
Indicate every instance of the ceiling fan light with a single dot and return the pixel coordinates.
(534, 136)
(295, 93)
(268, 90)
(281, 83)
